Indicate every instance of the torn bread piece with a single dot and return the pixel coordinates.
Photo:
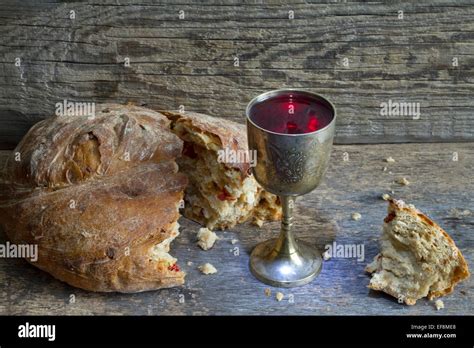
(417, 259)
(221, 192)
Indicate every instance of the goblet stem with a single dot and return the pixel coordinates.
(283, 261)
(286, 243)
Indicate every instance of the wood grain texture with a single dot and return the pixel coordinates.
(190, 61)
(440, 187)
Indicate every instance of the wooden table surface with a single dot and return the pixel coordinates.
(439, 186)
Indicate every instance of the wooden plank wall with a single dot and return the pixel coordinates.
(358, 54)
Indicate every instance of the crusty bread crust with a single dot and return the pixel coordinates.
(390, 274)
(97, 195)
(231, 135)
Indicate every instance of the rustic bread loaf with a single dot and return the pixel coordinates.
(417, 258)
(100, 197)
(221, 193)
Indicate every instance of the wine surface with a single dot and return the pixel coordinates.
(291, 113)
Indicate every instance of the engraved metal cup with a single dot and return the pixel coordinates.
(288, 165)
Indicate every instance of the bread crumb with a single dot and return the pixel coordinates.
(206, 238)
(234, 241)
(439, 304)
(258, 222)
(356, 216)
(403, 181)
(385, 196)
(384, 169)
(267, 292)
(279, 296)
(189, 263)
(389, 160)
(207, 268)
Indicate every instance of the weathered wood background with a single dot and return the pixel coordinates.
(190, 61)
(323, 216)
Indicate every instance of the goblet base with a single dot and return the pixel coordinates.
(280, 269)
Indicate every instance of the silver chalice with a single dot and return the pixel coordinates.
(292, 132)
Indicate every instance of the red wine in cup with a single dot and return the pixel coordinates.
(292, 113)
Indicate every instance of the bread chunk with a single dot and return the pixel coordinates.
(417, 259)
(206, 238)
(219, 194)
